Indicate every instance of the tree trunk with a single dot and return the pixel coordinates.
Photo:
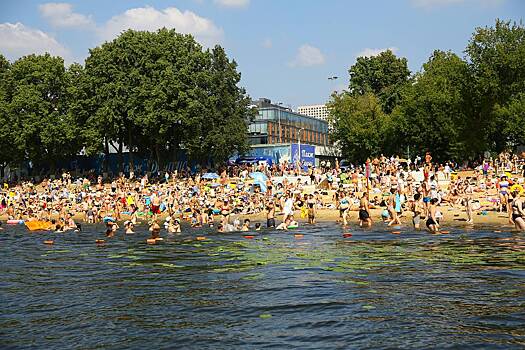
(130, 152)
(52, 167)
(106, 155)
(157, 155)
(120, 156)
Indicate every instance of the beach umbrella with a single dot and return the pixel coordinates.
(210, 176)
(260, 180)
(258, 176)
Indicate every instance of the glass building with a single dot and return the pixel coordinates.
(276, 124)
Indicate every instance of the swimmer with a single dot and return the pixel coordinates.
(174, 226)
(246, 226)
(128, 225)
(111, 228)
(284, 225)
(154, 229)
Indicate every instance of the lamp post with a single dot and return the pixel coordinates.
(299, 146)
(279, 120)
(332, 79)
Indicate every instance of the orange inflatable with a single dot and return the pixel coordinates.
(38, 225)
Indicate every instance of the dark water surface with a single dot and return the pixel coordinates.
(372, 290)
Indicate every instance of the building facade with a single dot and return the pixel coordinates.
(276, 124)
(316, 111)
(287, 136)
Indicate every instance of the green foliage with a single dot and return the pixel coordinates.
(497, 56)
(431, 115)
(359, 125)
(383, 75)
(456, 108)
(154, 92)
(40, 128)
(6, 150)
(513, 116)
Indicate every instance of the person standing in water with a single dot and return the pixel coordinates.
(364, 211)
(417, 208)
(288, 207)
(344, 207)
(392, 208)
(432, 222)
(270, 214)
(310, 204)
(518, 214)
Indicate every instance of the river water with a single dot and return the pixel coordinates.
(372, 290)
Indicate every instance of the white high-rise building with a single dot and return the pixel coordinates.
(316, 111)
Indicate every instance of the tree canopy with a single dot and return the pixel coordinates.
(150, 92)
(458, 108)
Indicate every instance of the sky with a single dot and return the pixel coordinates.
(285, 49)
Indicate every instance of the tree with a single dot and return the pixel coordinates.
(359, 125)
(434, 111)
(513, 115)
(7, 153)
(383, 75)
(228, 105)
(41, 127)
(155, 91)
(497, 58)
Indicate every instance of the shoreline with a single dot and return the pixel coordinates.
(453, 217)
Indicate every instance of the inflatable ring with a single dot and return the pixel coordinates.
(15, 222)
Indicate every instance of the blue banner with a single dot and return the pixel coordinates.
(305, 155)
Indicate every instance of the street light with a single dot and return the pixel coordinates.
(299, 145)
(279, 120)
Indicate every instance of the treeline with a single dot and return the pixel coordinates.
(457, 108)
(150, 92)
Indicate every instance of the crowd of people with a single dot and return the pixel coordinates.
(392, 190)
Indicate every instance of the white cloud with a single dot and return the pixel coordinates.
(60, 14)
(17, 40)
(267, 43)
(368, 52)
(151, 19)
(308, 56)
(232, 3)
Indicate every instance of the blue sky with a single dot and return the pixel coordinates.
(286, 49)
